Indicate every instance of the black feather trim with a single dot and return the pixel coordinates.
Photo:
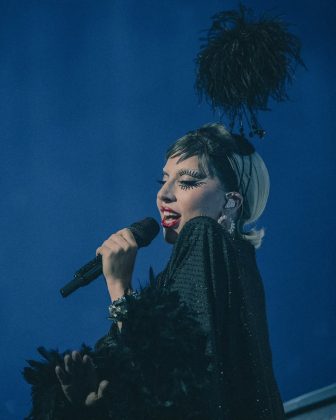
(244, 62)
(47, 395)
(157, 366)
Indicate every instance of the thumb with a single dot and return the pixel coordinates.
(95, 397)
(102, 389)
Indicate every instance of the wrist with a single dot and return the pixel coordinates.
(118, 281)
(116, 289)
(119, 308)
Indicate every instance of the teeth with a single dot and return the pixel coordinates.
(170, 214)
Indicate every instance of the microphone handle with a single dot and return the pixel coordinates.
(84, 276)
(143, 231)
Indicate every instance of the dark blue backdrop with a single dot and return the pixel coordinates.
(92, 93)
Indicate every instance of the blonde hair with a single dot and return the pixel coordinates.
(245, 172)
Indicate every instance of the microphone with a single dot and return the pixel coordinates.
(143, 231)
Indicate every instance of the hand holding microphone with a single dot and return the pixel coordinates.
(118, 257)
(117, 254)
(115, 258)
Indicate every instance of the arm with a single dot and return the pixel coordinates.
(118, 255)
(78, 377)
(151, 345)
(68, 385)
(201, 269)
(204, 271)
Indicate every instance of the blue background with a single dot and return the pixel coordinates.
(91, 95)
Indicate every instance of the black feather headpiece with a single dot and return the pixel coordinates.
(245, 62)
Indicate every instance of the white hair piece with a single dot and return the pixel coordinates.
(254, 187)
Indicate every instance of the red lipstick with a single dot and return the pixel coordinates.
(170, 221)
(163, 208)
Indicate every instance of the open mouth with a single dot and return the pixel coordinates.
(170, 219)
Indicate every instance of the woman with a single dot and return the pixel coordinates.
(213, 185)
(228, 182)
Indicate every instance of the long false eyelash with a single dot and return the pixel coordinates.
(192, 173)
(185, 185)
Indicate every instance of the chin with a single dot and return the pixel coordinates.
(170, 235)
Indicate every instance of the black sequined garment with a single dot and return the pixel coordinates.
(217, 276)
(194, 346)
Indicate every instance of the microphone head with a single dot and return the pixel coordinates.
(145, 231)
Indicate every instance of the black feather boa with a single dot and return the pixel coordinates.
(157, 367)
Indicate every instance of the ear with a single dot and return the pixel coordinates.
(230, 203)
(234, 200)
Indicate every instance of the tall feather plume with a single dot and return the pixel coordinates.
(244, 62)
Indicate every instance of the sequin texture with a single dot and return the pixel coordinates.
(216, 274)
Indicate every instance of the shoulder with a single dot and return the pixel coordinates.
(208, 229)
(201, 221)
(200, 239)
(203, 242)
(202, 227)
(203, 238)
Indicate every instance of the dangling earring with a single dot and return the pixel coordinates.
(222, 219)
(232, 226)
(229, 224)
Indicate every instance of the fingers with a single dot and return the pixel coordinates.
(76, 362)
(78, 377)
(76, 356)
(97, 397)
(123, 240)
(72, 362)
(62, 376)
(90, 371)
(102, 389)
(72, 366)
(88, 362)
(118, 258)
(128, 236)
(68, 364)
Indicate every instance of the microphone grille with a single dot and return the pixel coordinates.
(145, 231)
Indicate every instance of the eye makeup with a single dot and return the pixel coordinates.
(191, 172)
(187, 184)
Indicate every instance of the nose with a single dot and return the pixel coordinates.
(166, 193)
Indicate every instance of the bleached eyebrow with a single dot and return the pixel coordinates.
(191, 172)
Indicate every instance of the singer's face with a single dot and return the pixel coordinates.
(187, 192)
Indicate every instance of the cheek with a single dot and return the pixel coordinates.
(198, 200)
(206, 201)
